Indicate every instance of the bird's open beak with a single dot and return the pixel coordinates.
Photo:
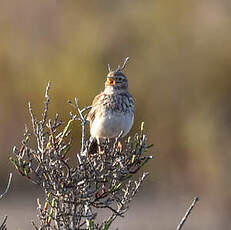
(111, 81)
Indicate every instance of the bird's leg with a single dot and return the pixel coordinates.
(100, 146)
(120, 146)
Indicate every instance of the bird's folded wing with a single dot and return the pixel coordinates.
(95, 103)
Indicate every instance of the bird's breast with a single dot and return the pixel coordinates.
(111, 124)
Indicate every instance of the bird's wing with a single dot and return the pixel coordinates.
(95, 103)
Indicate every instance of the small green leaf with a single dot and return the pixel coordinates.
(107, 225)
(133, 158)
(27, 139)
(26, 171)
(149, 146)
(91, 225)
(145, 161)
(129, 139)
(66, 129)
(15, 162)
(53, 202)
(49, 196)
(116, 187)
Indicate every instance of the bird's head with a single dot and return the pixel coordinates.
(116, 80)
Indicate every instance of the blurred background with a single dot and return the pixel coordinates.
(179, 74)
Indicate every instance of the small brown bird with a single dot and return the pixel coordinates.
(112, 110)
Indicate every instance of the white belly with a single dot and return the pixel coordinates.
(111, 125)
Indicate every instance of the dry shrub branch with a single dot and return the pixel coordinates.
(75, 196)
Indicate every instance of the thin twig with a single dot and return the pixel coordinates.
(7, 188)
(84, 123)
(109, 68)
(34, 122)
(46, 104)
(76, 192)
(85, 109)
(119, 69)
(83, 120)
(3, 225)
(34, 225)
(185, 217)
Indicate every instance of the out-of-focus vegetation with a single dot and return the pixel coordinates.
(179, 74)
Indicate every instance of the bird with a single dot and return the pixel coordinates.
(112, 112)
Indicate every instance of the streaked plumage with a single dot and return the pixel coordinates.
(113, 109)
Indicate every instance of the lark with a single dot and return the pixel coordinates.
(112, 111)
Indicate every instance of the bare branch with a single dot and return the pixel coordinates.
(3, 225)
(7, 187)
(119, 69)
(84, 123)
(109, 68)
(32, 117)
(46, 104)
(75, 191)
(185, 217)
(34, 225)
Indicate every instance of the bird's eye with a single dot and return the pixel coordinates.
(119, 78)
